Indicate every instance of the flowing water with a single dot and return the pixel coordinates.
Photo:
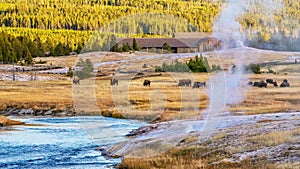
(62, 142)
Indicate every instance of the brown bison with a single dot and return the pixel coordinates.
(146, 83)
(250, 83)
(199, 84)
(285, 83)
(260, 84)
(76, 80)
(255, 84)
(270, 81)
(114, 82)
(185, 82)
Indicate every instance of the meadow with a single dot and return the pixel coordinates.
(164, 99)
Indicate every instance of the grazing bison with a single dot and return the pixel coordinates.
(275, 84)
(285, 83)
(255, 84)
(250, 83)
(270, 81)
(76, 80)
(114, 82)
(199, 84)
(146, 83)
(185, 82)
(262, 84)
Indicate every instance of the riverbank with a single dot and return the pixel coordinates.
(248, 141)
(164, 100)
(4, 121)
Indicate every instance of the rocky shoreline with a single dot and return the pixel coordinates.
(32, 112)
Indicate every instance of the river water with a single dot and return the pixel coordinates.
(62, 142)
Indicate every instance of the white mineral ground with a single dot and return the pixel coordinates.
(155, 139)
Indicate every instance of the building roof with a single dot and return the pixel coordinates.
(153, 42)
(158, 42)
(192, 42)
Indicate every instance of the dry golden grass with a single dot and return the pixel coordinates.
(271, 99)
(276, 138)
(288, 165)
(164, 100)
(36, 94)
(194, 158)
(166, 162)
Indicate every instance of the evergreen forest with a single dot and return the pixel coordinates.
(32, 28)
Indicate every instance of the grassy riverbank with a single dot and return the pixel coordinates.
(164, 100)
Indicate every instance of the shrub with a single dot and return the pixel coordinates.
(194, 65)
(271, 71)
(87, 69)
(255, 68)
(70, 72)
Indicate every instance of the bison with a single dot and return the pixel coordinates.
(270, 81)
(262, 84)
(275, 84)
(250, 83)
(285, 83)
(255, 84)
(76, 80)
(146, 83)
(199, 84)
(114, 82)
(185, 82)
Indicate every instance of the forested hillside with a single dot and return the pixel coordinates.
(70, 23)
(93, 14)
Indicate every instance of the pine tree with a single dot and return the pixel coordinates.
(135, 45)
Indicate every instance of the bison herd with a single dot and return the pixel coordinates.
(188, 82)
(184, 82)
(263, 83)
(181, 82)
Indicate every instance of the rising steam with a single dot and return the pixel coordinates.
(228, 29)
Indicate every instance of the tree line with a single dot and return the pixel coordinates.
(15, 47)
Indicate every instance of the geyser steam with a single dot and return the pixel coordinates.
(226, 87)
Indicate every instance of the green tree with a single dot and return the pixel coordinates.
(86, 69)
(135, 45)
(126, 47)
(166, 47)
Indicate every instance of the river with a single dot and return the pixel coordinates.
(62, 142)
